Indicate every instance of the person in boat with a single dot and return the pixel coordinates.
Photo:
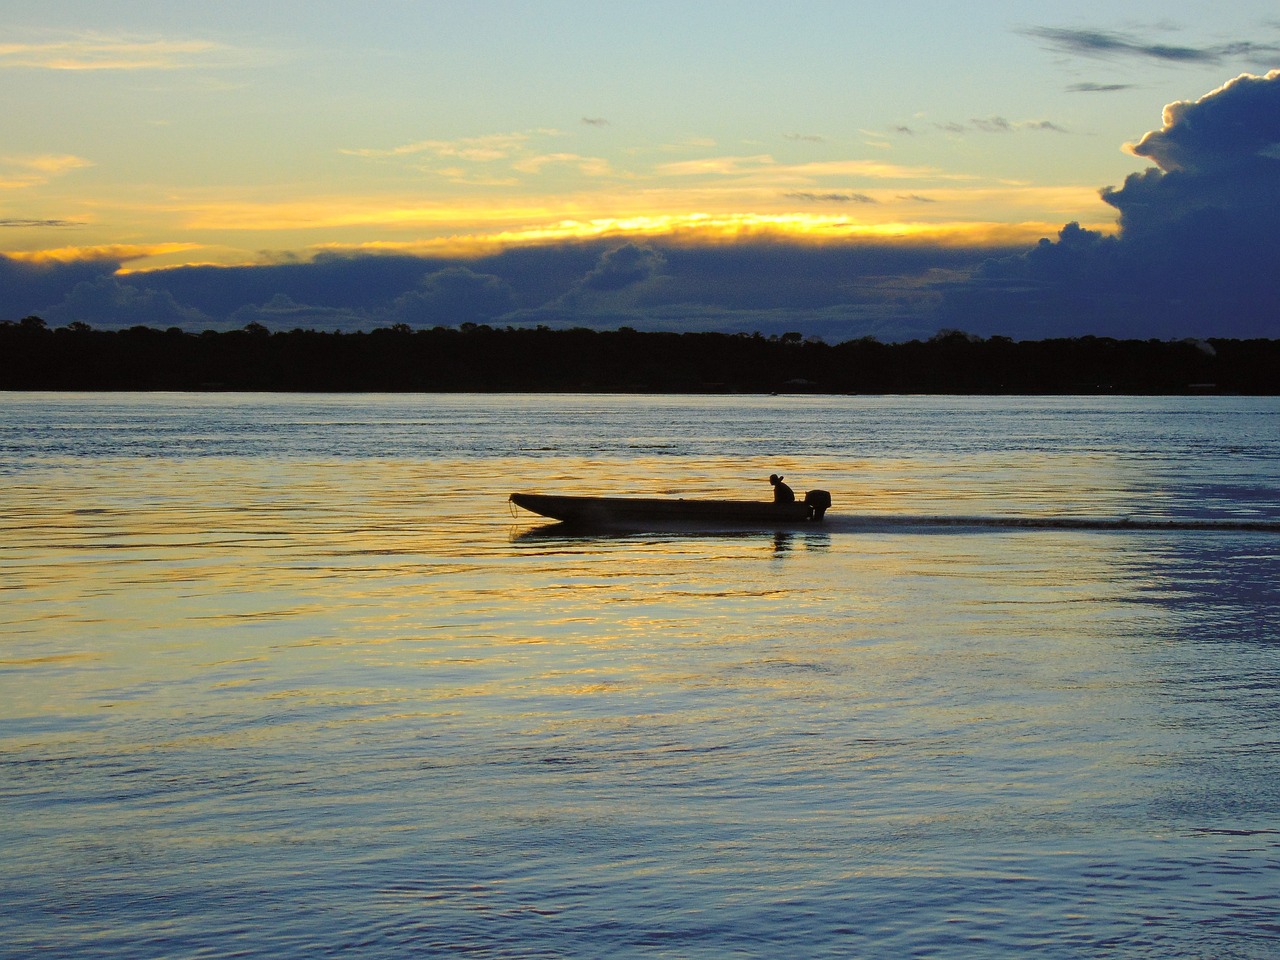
(781, 492)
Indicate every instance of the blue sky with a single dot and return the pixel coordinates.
(152, 136)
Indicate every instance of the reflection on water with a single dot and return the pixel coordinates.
(285, 676)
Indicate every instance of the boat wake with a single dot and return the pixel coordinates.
(863, 523)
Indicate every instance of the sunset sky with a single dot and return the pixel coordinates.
(148, 137)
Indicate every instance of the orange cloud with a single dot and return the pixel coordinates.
(482, 149)
(587, 166)
(718, 166)
(21, 172)
(118, 252)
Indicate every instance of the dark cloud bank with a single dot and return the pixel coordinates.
(1197, 255)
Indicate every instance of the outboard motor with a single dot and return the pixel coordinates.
(817, 501)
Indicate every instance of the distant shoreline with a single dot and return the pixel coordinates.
(481, 359)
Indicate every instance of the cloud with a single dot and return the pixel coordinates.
(51, 164)
(29, 287)
(1001, 125)
(997, 124)
(21, 172)
(831, 197)
(1196, 250)
(282, 312)
(623, 267)
(872, 169)
(114, 303)
(1217, 153)
(19, 222)
(105, 52)
(587, 166)
(837, 292)
(488, 160)
(485, 149)
(763, 284)
(718, 166)
(1098, 87)
(452, 296)
(115, 254)
(1233, 126)
(1105, 43)
(1041, 125)
(595, 121)
(1194, 256)
(812, 228)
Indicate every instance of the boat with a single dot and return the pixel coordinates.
(622, 511)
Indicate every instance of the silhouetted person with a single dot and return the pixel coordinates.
(781, 492)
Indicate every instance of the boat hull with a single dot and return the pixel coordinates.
(618, 511)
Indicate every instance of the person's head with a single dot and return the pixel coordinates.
(774, 479)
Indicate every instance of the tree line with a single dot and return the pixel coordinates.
(480, 358)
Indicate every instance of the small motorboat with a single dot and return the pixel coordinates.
(629, 511)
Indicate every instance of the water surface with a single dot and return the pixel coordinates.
(285, 676)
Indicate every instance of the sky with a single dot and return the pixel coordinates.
(840, 169)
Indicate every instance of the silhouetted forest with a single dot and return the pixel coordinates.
(473, 357)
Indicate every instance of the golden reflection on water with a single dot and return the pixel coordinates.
(232, 562)
(238, 603)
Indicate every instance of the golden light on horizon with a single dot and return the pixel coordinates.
(703, 228)
(684, 229)
(257, 228)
